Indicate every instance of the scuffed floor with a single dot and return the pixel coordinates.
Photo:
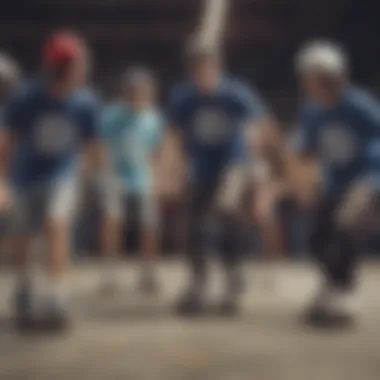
(129, 337)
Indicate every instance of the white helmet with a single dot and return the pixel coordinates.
(324, 57)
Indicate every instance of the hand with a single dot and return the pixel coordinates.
(305, 184)
(264, 204)
(306, 195)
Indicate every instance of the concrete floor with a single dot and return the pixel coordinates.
(129, 337)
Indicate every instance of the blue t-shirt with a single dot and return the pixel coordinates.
(132, 137)
(346, 139)
(212, 126)
(49, 133)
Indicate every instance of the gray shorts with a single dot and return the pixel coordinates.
(55, 201)
(120, 204)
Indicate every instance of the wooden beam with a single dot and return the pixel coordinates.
(175, 32)
(117, 3)
(155, 3)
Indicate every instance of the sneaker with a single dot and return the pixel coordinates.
(321, 299)
(55, 314)
(331, 308)
(341, 307)
(191, 303)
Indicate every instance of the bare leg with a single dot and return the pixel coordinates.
(149, 241)
(111, 244)
(149, 255)
(270, 229)
(273, 239)
(58, 256)
(60, 208)
(19, 249)
(58, 240)
(114, 207)
(111, 238)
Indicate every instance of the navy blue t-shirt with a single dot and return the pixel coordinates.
(346, 139)
(48, 132)
(212, 126)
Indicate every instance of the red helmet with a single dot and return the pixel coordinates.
(61, 48)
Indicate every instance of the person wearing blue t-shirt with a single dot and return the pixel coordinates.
(209, 117)
(132, 131)
(10, 76)
(47, 125)
(340, 128)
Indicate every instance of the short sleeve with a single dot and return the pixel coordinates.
(89, 120)
(368, 111)
(372, 172)
(373, 152)
(369, 114)
(14, 115)
(176, 113)
(252, 105)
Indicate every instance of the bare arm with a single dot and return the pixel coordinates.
(301, 172)
(303, 175)
(171, 165)
(94, 159)
(7, 143)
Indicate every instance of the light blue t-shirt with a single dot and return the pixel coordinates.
(132, 137)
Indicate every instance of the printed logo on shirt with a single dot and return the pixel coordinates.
(211, 126)
(54, 134)
(338, 144)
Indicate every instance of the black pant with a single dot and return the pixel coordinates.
(201, 207)
(336, 250)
